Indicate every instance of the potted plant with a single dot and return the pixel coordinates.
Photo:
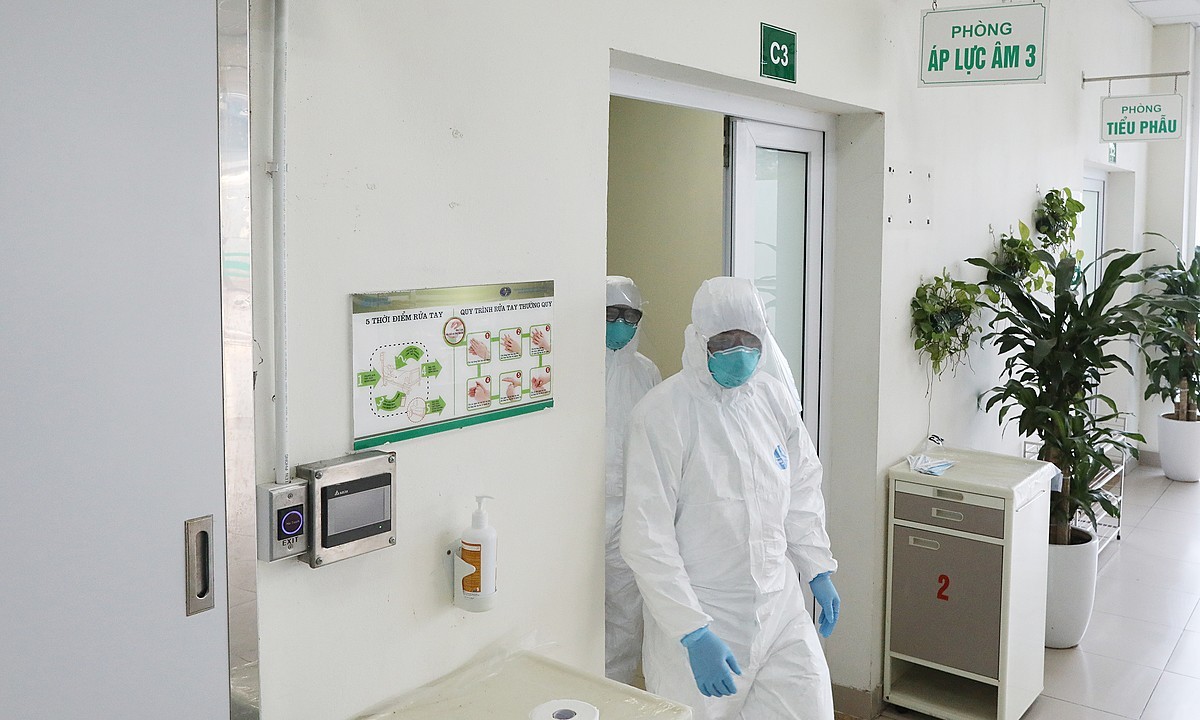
(944, 316)
(1169, 341)
(1056, 356)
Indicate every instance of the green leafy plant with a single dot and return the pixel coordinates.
(1056, 218)
(1016, 255)
(1056, 356)
(1169, 334)
(944, 315)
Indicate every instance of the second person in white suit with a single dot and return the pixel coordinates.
(628, 376)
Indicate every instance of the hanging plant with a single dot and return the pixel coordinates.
(1017, 257)
(944, 313)
(1056, 217)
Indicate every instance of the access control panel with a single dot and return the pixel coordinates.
(282, 520)
(332, 510)
(350, 505)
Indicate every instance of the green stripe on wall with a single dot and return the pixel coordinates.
(375, 440)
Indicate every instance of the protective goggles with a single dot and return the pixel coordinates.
(631, 316)
(730, 339)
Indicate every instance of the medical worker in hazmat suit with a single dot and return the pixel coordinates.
(629, 375)
(724, 518)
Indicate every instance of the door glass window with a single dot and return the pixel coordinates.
(775, 183)
(1089, 233)
(780, 207)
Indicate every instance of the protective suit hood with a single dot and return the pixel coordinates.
(729, 303)
(620, 290)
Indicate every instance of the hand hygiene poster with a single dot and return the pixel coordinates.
(444, 358)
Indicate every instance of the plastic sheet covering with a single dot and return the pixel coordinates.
(507, 681)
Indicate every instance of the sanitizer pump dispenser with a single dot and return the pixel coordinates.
(475, 563)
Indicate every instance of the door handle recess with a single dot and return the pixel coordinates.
(923, 543)
(198, 565)
(949, 495)
(951, 515)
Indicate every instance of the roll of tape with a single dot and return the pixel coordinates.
(565, 710)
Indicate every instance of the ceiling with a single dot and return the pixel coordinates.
(1168, 12)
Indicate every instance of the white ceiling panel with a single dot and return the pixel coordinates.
(1167, 12)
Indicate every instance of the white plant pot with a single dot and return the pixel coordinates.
(1179, 449)
(1070, 591)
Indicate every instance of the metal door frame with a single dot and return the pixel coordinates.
(237, 355)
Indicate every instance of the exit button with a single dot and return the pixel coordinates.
(778, 54)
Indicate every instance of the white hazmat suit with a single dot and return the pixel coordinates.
(724, 518)
(629, 375)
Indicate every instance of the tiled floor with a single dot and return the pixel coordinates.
(1141, 656)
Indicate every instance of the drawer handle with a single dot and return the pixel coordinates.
(941, 514)
(949, 495)
(923, 543)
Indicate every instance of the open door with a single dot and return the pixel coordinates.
(774, 237)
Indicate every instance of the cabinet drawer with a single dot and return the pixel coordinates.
(946, 595)
(949, 509)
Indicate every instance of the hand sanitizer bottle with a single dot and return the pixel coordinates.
(479, 551)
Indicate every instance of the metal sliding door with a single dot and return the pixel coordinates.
(112, 432)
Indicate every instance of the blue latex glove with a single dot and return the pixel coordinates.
(827, 597)
(711, 661)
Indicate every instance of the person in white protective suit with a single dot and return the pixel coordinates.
(629, 375)
(724, 518)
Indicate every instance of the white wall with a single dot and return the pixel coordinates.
(434, 146)
(467, 144)
(854, 499)
(665, 194)
(991, 151)
(1167, 159)
(1167, 202)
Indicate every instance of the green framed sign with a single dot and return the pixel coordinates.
(778, 56)
(983, 45)
(436, 359)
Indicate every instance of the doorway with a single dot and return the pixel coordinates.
(665, 217)
(694, 194)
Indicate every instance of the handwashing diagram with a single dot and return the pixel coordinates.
(444, 358)
(399, 382)
(511, 387)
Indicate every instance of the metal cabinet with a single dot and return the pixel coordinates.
(966, 591)
(947, 589)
